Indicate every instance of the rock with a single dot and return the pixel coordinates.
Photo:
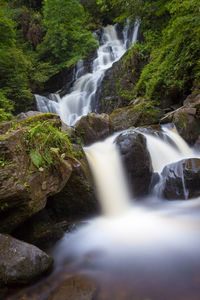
(187, 118)
(193, 98)
(77, 199)
(94, 127)
(186, 121)
(27, 114)
(76, 287)
(119, 81)
(137, 161)
(39, 230)
(140, 113)
(180, 180)
(24, 189)
(21, 263)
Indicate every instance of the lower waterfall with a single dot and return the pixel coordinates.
(137, 241)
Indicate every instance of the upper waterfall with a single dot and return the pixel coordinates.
(81, 99)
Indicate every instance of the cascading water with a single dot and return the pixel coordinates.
(163, 153)
(83, 93)
(100, 156)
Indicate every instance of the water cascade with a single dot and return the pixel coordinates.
(114, 201)
(81, 99)
(163, 153)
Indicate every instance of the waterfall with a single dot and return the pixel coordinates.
(48, 104)
(81, 99)
(108, 173)
(163, 153)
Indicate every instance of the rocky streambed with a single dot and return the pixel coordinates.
(46, 188)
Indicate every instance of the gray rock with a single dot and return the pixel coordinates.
(27, 114)
(21, 263)
(180, 180)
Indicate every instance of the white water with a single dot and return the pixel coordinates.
(162, 153)
(101, 155)
(81, 99)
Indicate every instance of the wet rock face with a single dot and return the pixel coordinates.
(137, 161)
(24, 191)
(181, 180)
(21, 263)
(94, 127)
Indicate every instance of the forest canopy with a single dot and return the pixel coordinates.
(41, 38)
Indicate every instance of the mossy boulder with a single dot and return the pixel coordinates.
(21, 263)
(137, 161)
(94, 127)
(26, 181)
(180, 180)
(141, 112)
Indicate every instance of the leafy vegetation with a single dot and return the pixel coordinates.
(171, 34)
(36, 42)
(45, 142)
(40, 38)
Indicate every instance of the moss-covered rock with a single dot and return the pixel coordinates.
(21, 263)
(32, 167)
(94, 127)
(140, 113)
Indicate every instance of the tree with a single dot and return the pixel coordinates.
(66, 39)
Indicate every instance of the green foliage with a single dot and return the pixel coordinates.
(101, 12)
(7, 36)
(6, 108)
(13, 69)
(175, 60)
(66, 39)
(45, 142)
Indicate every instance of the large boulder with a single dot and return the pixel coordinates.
(137, 161)
(94, 127)
(21, 263)
(180, 180)
(140, 113)
(24, 188)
